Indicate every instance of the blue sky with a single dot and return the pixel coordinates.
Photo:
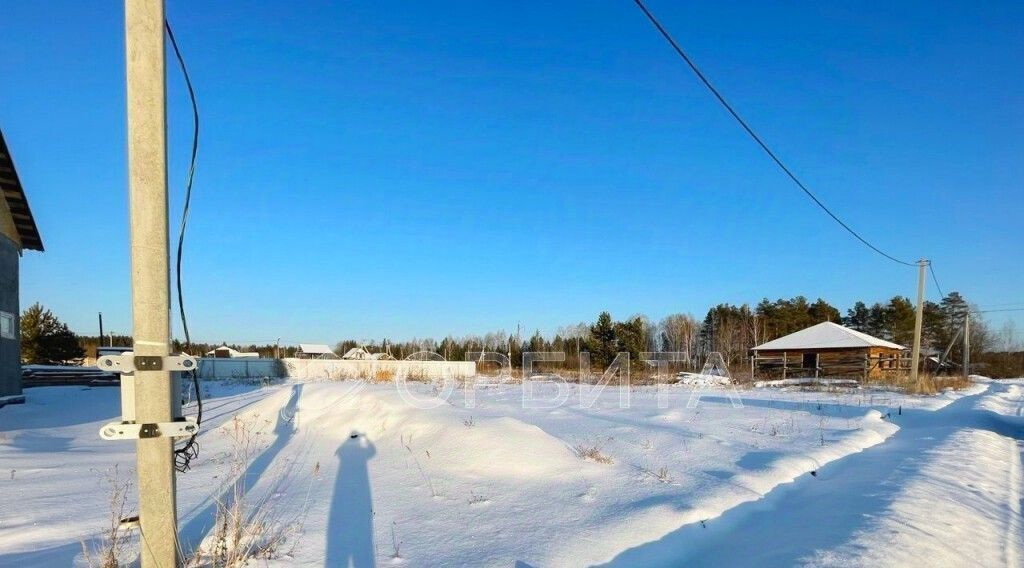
(411, 169)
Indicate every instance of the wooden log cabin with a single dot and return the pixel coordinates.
(829, 350)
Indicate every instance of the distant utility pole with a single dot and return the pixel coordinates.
(915, 354)
(147, 197)
(100, 342)
(519, 341)
(277, 348)
(967, 345)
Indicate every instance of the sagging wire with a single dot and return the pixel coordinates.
(184, 455)
(936, 281)
(756, 138)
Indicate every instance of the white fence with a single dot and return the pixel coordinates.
(378, 370)
(252, 368)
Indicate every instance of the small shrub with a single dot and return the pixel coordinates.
(662, 475)
(592, 453)
(419, 375)
(383, 375)
(396, 545)
(475, 499)
(245, 530)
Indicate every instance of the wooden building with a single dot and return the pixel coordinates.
(18, 233)
(829, 350)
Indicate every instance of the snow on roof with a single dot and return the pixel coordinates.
(315, 348)
(356, 353)
(826, 335)
(221, 348)
(233, 353)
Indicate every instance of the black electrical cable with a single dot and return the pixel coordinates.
(935, 280)
(664, 33)
(184, 455)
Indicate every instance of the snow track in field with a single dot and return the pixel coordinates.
(358, 472)
(943, 491)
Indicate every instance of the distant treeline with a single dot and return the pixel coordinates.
(733, 330)
(729, 329)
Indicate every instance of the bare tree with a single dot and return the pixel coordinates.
(680, 333)
(1008, 335)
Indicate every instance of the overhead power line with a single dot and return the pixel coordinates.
(750, 131)
(935, 280)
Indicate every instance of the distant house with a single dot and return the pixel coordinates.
(225, 352)
(315, 351)
(18, 232)
(829, 350)
(356, 353)
(361, 354)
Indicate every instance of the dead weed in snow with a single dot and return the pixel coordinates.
(592, 453)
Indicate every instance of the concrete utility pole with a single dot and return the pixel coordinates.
(147, 196)
(967, 345)
(915, 354)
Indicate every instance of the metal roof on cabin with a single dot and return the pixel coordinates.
(315, 348)
(825, 335)
(14, 194)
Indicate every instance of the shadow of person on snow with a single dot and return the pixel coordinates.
(350, 524)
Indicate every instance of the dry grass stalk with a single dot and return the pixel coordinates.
(114, 543)
(383, 375)
(592, 453)
(926, 384)
(245, 530)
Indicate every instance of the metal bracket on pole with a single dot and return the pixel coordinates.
(131, 431)
(128, 363)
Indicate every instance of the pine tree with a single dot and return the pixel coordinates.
(631, 337)
(822, 311)
(857, 317)
(45, 340)
(901, 316)
(602, 341)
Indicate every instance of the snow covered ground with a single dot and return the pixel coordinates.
(358, 474)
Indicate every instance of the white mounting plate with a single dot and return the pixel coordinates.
(125, 363)
(130, 431)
